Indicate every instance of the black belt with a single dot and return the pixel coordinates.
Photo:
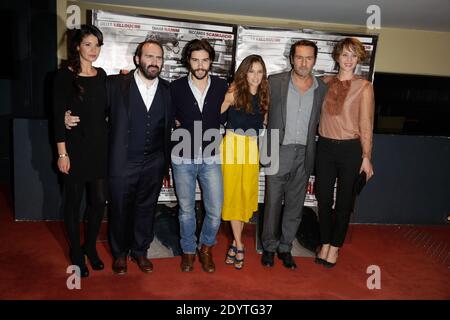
(335, 141)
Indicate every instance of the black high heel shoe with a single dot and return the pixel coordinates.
(328, 265)
(94, 260)
(319, 260)
(84, 271)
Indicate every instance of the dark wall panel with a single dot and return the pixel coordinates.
(411, 183)
(29, 53)
(37, 193)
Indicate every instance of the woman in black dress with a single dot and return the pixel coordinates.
(82, 151)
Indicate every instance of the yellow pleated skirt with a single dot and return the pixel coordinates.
(240, 169)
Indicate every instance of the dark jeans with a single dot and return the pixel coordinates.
(339, 159)
(96, 196)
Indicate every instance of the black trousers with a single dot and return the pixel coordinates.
(341, 160)
(96, 197)
(134, 197)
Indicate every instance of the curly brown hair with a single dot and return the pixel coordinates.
(351, 44)
(196, 45)
(241, 89)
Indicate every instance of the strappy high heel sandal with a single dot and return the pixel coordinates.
(239, 263)
(229, 259)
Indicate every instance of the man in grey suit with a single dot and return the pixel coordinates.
(296, 100)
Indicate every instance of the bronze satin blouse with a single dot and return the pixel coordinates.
(348, 111)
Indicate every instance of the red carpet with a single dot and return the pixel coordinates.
(414, 262)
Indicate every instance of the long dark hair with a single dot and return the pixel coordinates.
(75, 38)
(242, 95)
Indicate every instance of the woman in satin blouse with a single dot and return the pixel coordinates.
(344, 148)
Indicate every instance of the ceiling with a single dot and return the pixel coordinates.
(410, 14)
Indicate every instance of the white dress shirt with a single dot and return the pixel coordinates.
(147, 92)
(200, 97)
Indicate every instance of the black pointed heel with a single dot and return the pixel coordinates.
(80, 263)
(328, 265)
(84, 271)
(319, 260)
(94, 260)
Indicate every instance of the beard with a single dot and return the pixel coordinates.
(303, 72)
(199, 76)
(149, 72)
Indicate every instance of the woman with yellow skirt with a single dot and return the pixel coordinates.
(246, 104)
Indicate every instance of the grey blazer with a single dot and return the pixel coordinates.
(279, 84)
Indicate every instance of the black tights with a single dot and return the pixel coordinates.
(96, 196)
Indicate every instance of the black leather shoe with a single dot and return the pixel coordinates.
(287, 259)
(94, 260)
(267, 258)
(143, 263)
(120, 265)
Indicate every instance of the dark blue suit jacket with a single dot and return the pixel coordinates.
(118, 94)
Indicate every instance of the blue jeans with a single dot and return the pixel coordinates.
(211, 183)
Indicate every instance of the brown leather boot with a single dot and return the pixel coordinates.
(187, 262)
(205, 256)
